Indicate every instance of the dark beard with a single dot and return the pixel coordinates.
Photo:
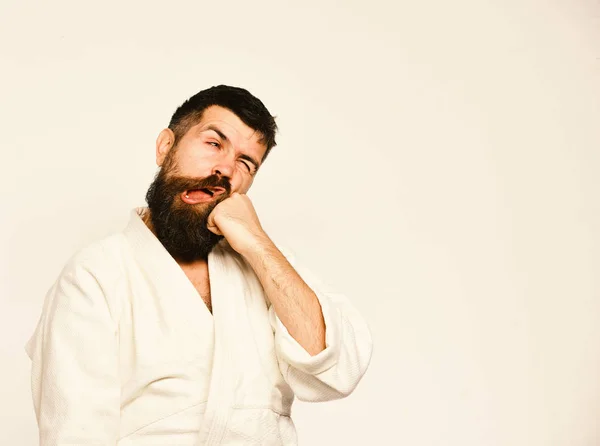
(181, 227)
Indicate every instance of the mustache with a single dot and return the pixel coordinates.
(182, 184)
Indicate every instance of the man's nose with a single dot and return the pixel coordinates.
(224, 167)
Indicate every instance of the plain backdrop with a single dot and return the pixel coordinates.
(437, 162)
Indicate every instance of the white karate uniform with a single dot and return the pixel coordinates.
(127, 353)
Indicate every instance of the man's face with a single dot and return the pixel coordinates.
(216, 157)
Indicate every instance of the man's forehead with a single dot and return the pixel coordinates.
(228, 122)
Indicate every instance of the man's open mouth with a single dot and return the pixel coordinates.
(204, 195)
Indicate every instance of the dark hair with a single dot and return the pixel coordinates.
(247, 107)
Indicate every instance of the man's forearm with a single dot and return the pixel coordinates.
(294, 302)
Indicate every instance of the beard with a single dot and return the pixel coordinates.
(181, 227)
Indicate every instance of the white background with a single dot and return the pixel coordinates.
(438, 162)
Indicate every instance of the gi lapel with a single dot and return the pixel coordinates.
(227, 285)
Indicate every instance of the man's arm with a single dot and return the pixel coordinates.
(323, 344)
(294, 302)
(74, 352)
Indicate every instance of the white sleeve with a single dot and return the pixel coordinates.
(334, 372)
(74, 353)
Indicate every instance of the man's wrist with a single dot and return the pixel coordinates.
(260, 245)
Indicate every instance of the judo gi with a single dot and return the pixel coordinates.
(127, 353)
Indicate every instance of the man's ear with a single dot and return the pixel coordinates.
(164, 143)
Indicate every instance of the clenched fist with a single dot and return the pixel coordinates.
(235, 218)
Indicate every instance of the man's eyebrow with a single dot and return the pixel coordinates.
(217, 131)
(224, 138)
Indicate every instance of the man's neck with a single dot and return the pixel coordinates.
(196, 271)
(197, 268)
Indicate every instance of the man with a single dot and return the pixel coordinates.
(190, 327)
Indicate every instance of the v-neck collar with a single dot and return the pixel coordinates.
(165, 274)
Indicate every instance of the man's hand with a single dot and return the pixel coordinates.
(236, 220)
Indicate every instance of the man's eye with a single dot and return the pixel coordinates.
(246, 165)
(214, 144)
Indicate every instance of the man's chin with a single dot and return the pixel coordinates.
(190, 246)
(184, 232)
(196, 212)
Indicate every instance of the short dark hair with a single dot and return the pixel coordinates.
(247, 107)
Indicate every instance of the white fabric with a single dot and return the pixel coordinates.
(126, 352)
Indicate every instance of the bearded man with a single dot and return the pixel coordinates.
(190, 326)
